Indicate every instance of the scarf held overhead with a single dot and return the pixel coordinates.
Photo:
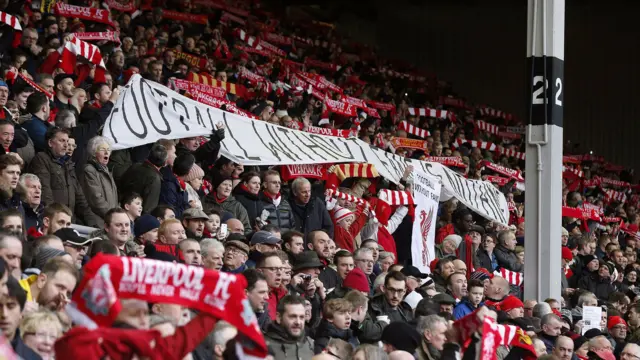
(107, 279)
(84, 13)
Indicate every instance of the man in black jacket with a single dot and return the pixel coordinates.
(388, 307)
(310, 213)
(599, 282)
(205, 154)
(145, 178)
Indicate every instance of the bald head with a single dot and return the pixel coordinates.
(460, 266)
(235, 226)
(563, 348)
(498, 289)
(400, 355)
(631, 351)
(600, 343)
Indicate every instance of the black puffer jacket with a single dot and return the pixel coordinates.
(250, 202)
(507, 259)
(280, 215)
(312, 216)
(601, 287)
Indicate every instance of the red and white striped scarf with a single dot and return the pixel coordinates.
(443, 114)
(514, 154)
(514, 174)
(476, 144)
(92, 36)
(486, 111)
(12, 76)
(485, 126)
(252, 41)
(343, 196)
(612, 195)
(10, 20)
(413, 130)
(575, 172)
(395, 197)
(76, 47)
(454, 161)
(512, 277)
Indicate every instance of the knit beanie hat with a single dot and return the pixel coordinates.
(45, 254)
(217, 180)
(457, 239)
(196, 172)
(511, 302)
(341, 213)
(144, 224)
(356, 280)
(567, 254)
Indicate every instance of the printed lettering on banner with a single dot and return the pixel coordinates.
(426, 196)
(156, 112)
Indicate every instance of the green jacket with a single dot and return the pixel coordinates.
(285, 348)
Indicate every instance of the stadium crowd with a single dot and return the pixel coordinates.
(328, 277)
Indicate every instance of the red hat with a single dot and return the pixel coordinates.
(433, 265)
(615, 320)
(356, 280)
(567, 254)
(511, 302)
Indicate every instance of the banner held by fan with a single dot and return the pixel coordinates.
(426, 195)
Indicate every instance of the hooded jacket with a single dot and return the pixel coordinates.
(284, 347)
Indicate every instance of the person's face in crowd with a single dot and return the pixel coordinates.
(286, 274)
(103, 153)
(52, 30)
(55, 290)
(272, 184)
(465, 223)
(213, 224)
(12, 255)
(516, 313)
(173, 234)
(563, 348)
(221, 76)
(475, 295)
(234, 226)
(13, 224)
(528, 307)
(292, 320)
(104, 94)
(19, 61)
(134, 313)
(62, 24)
(168, 214)
(192, 253)
(12, 174)
(156, 72)
(520, 256)
(618, 332)
(365, 262)
(274, 120)
(510, 241)
(192, 143)
(108, 79)
(213, 260)
(617, 256)
(344, 265)
(196, 226)
(224, 189)
(253, 185)
(118, 59)
(458, 285)
(553, 328)
(604, 272)
(460, 266)
(119, 229)
(630, 351)
(233, 257)
(332, 250)
(4, 95)
(21, 99)
(58, 144)
(71, 146)
(10, 316)
(196, 183)
(320, 245)
(303, 194)
(189, 44)
(540, 347)
(448, 269)
(66, 87)
(593, 265)
(386, 263)
(266, 114)
(412, 283)
(296, 245)
(394, 291)
(183, 69)
(169, 58)
(171, 155)
(374, 248)
(77, 252)
(258, 296)
(29, 39)
(341, 320)
(437, 337)
(43, 339)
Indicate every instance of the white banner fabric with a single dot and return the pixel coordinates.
(147, 111)
(426, 195)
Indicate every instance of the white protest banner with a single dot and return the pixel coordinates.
(147, 112)
(426, 195)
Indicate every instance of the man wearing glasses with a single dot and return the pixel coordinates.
(631, 352)
(271, 266)
(364, 260)
(236, 254)
(388, 306)
(74, 244)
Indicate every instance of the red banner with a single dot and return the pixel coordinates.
(309, 171)
(514, 174)
(192, 60)
(107, 279)
(191, 87)
(382, 106)
(218, 103)
(340, 107)
(116, 5)
(331, 132)
(98, 36)
(446, 160)
(186, 17)
(407, 143)
(84, 13)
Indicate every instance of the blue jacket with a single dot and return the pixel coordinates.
(37, 128)
(463, 309)
(171, 193)
(22, 349)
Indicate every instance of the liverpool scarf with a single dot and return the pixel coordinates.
(186, 17)
(93, 36)
(395, 197)
(129, 7)
(209, 80)
(76, 47)
(12, 77)
(192, 60)
(191, 87)
(413, 130)
(398, 142)
(309, 171)
(512, 277)
(84, 13)
(513, 174)
(108, 278)
(450, 161)
(443, 114)
(486, 111)
(321, 65)
(15, 24)
(340, 107)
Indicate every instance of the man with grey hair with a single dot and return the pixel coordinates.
(212, 251)
(432, 329)
(65, 119)
(30, 188)
(222, 333)
(363, 258)
(630, 352)
(310, 213)
(541, 309)
(551, 326)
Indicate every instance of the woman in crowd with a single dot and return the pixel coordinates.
(97, 181)
(39, 331)
(247, 194)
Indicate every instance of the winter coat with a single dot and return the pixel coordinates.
(37, 128)
(327, 330)
(33, 217)
(463, 309)
(345, 238)
(379, 306)
(146, 180)
(280, 214)
(100, 189)
(311, 217)
(60, 185)
(250, 202)
(193, 197)
(286, 348)
(330, 278)
(368, 331)
(484, 260)
(275, 295)
(89, 123)
(507, 259)
(601, 287)
(173, 192)
(230, 205)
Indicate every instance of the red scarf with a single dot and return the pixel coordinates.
(272, 197)
(187, 17)
(183, 185)
(108, 278)
(84, 13)
(219, 201)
